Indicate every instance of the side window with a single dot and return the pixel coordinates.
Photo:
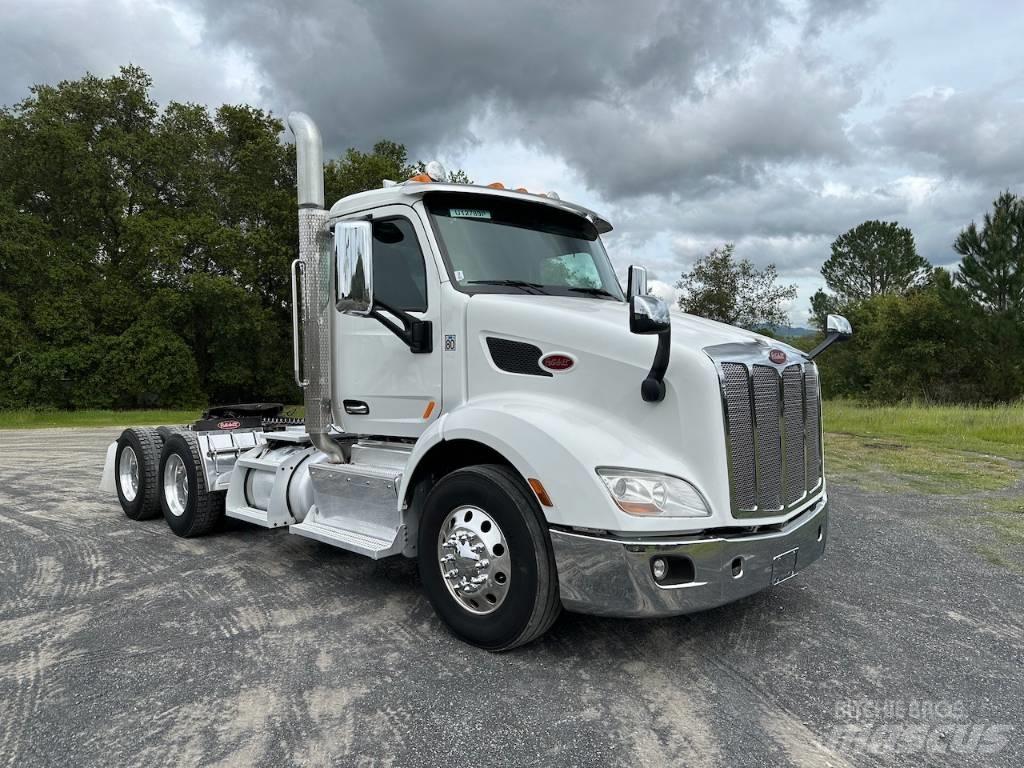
(399, 274)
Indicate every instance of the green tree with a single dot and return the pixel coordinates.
(144, 253)
(721, 288)
(822, 305)
(992, 269)
(873, 259)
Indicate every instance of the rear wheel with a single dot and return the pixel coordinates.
(485, 558)
(135, 472)
(189, 507)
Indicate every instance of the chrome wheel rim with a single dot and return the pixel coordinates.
(175, 485)
(128, 473)
(474, 559)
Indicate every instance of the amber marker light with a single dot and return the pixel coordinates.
(538, 488)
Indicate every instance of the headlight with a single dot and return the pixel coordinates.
(650, 494)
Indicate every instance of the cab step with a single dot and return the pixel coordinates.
(356, 508)
(361, 543)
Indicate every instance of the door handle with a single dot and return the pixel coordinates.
(356, 407)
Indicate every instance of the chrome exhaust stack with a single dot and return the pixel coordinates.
(315, 259)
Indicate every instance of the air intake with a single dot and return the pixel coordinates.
(516, 356)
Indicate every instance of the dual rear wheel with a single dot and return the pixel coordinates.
(155, 475)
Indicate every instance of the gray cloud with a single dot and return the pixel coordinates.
(973, 135)
(822, 13)
(776, 124)
(46, 41)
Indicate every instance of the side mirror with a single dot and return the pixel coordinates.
(837, 328)
(353, 252)
(648, 314)
(636, 281)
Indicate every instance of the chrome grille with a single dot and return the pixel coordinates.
(769, 441)
(772, 419)
(741, 429)
(813, 425)
(793, 419)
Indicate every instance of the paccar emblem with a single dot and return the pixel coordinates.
(557, 362)
(229, 424)
(777, 356)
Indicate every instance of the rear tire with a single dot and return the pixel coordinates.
(517, 599)
(135, 472)
(189, 507)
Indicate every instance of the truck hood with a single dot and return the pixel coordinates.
(601, 323)
(598, 400)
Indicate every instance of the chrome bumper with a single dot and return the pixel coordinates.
(612, 576)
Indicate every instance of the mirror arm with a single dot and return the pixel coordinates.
(416, 334)
(828, 341)
(652, 390)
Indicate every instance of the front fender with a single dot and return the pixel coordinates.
(560, 444)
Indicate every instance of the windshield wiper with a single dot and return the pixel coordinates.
(595, 292)
(523, 284)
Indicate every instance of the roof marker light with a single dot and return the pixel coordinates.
(553, 196)
(436, 171)
(496, 185)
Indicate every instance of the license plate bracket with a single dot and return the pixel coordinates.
(784, 566)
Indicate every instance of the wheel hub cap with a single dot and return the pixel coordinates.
(128, 474)
(175, 485)
(474, 559)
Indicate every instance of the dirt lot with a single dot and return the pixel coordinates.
(121, 644)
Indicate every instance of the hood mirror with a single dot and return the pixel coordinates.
(648, 314)
(837, 328)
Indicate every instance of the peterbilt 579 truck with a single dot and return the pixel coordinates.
(482, 395)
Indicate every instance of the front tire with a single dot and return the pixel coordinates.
(189, 507)
(135, 472)
(485, 558)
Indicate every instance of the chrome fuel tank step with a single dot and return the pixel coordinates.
(356, 508)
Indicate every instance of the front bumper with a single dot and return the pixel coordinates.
(610, 576)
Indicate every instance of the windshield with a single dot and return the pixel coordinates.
(498, 245)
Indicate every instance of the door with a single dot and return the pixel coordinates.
(378, 386)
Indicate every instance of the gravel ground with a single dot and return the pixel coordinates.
(121, 644)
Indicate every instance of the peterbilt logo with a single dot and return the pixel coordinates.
(777, 356)
(229, 424)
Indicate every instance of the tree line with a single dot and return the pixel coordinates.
(921, 332)
(145, 252)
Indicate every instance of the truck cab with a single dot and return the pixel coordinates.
(483, 395)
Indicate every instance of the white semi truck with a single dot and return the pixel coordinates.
(480, 394)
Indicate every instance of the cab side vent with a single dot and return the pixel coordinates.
(516, 357)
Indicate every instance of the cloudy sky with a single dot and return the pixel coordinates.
(774, 124)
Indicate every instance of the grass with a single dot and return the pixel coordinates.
(932, 449)
(36, 419)
(996, 430)
(974, 453)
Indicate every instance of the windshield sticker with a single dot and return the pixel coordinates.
(460, 275)
(469, 213)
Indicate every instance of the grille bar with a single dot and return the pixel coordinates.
(773, 431)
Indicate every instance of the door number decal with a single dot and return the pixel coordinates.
(449, 342)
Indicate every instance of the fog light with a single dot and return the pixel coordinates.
(659, 568)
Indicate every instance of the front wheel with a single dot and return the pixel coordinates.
(189, 507)
(485, 558)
